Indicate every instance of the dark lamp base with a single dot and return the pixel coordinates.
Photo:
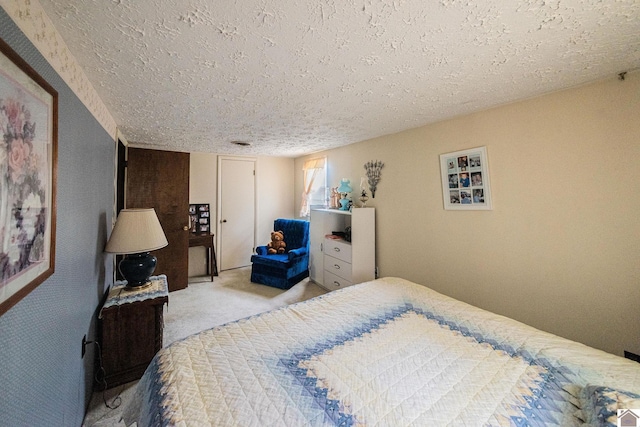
(137, 268)
(138, 287)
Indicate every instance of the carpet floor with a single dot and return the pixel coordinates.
(202, 305)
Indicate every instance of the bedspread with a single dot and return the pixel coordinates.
(383, 353)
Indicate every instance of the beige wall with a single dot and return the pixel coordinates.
(274, 198)
(274, 194)
(203, 179)
(561, 248)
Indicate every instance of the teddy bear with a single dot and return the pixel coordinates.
(277, 244)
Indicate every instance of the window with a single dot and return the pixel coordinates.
(314, 188)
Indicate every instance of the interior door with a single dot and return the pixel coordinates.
(160, 180)
(236, 211)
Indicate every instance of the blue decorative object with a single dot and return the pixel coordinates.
(344, 189)
(284, 270)
(136, 268)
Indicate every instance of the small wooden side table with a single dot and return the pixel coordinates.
(206, 240)
(130, 329)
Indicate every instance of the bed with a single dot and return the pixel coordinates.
(383, 353)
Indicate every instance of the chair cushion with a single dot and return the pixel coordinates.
(276, 260)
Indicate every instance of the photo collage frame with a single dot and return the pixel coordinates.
(465, 180)
(199, 218)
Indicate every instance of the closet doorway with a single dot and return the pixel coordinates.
(236, 211)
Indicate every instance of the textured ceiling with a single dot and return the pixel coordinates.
(297, 76)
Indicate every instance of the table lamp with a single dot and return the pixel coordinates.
(344, 189)
(136, 233)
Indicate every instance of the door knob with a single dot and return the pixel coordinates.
(185, 228)
(224, 220)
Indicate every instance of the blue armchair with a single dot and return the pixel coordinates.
(284, 270)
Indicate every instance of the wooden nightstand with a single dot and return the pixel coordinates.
(130, 330)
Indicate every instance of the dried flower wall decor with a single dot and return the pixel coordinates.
(373, 169)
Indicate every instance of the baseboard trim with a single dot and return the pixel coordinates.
(632, 356)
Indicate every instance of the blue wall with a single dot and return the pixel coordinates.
(44, 381)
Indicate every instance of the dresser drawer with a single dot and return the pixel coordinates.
(333, 282)
(338, 249)
(337, 267)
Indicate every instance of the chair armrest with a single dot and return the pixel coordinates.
(295, 253)
(261, 250)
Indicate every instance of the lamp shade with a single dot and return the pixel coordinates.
(344, 186)
(136, 230)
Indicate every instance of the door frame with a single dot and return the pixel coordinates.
(119, 185)
(219, 201)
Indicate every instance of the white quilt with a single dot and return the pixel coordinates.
(383, 353)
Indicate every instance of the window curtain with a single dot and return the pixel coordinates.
(310, 170)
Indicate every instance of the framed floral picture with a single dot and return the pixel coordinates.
(28, 160)
(465, 180)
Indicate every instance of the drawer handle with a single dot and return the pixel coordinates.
(336, 266)
(336, 283)
(336, 249)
